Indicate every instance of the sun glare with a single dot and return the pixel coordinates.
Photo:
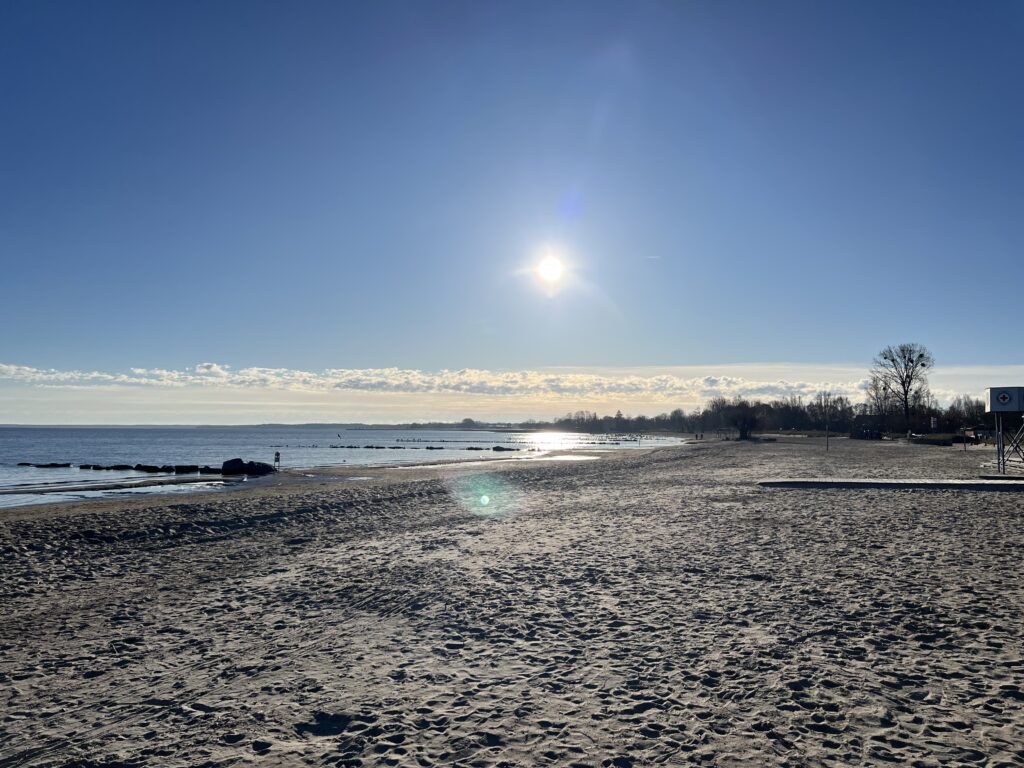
(550, 269)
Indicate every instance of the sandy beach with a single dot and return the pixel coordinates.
(647, 608)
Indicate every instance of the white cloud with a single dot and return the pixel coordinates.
(218, 394)
(213, 369)
(467, 381)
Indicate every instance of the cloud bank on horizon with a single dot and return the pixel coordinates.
(496, 392)
(467, 381)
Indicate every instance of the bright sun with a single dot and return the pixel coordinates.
(550, 269)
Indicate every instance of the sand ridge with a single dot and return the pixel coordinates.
(648, 608)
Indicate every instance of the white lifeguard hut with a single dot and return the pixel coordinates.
(1007, 402)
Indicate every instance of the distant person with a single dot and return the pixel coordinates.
(277, 459)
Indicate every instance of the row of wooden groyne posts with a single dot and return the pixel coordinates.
(229, 467)
(426, 448)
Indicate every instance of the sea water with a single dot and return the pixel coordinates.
(314, 445)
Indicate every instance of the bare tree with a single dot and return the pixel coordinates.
(966, 411)
(741, 414)
(821, 408)
(879, 398)
(677, 420)
(903, 371)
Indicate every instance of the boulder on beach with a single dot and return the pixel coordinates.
(24, 463)
(503, 448)
(121, 467)
(51, 465)
(86, 466)
(240, 467)
(186, 469)
(233, 467)
(207, 470)
(146, 468)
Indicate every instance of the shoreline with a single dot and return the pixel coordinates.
(118, 485)
(232, 482)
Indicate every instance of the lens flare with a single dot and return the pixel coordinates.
(485, 495)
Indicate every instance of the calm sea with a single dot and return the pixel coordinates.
(299, 446)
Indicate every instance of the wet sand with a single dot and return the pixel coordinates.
(116, 485)
(651, 607)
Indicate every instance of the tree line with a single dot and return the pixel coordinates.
(897, 399)
(823, 411)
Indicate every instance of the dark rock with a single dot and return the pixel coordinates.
(98, 466)
(503, 448)
(85, 466)
(259, 468)
(434, 448)
(24, 463)
(186, 469)
(205, 470)
(168, 468)
(239, 467)
(146, 468)
(121, 467)
(51, 465)
(475, 448)
(233, 467)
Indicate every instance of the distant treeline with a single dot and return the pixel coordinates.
(793, 413)
(825, 410)
(835, 412)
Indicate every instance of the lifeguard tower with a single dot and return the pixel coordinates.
(1007, 403)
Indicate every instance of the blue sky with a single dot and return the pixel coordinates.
(365, 186)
